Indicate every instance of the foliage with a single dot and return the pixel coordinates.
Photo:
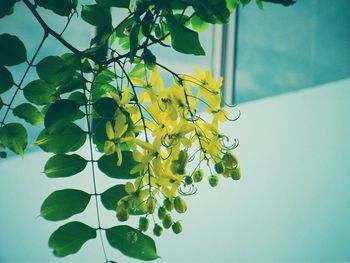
(145, 132)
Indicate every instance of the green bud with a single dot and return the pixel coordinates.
(168, 204)
(122, 215)
(229, 160)
(219, 168)
(183, 157)
(180, 205)
(177, 227)
(143, 224)
(151, 205)
(131, 237)
(188, 179)
(181, 169)
(173, 166)
(161, 212)
(167, 221)
(236, 173)
(198, 176)
(213, 180)
(157, 230)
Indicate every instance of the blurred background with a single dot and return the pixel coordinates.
(287, 69)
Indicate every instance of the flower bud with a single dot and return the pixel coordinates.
(213, 180)
(167, 221)
(219, 168)
(188, 180)
(180, 205)
(183, 157)
(173, 166)
(151, 205)
(122, 215)
(131, 237)
(143, 224)
(229, 160)
(181, 169)
(168, 204)
(157, 230)
(198, 176)
(177, 227)
(236, 173)
(161, 212)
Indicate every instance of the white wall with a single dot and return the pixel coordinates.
(292, 203)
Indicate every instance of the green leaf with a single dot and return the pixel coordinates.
(96, 15)
(232, 4)
(132, 242)
(212, 11)
(6, 7)
(139, 71)
(12, 50)
(105, 107)
(14, 136)
(134, 40)
(198, 24)
(40, 92)
(60, 113)
(29, 113)
(56, 70)
(124, 27)
(259, 4)
(61, 7)
(79, 98)
(69, 238)
(76, 83)
(63, 204)
(113, 3)
(68, 139)
(99, 135)
(149, 58)
(6, 80)
(111, 196)
(183, 39)
(108, 165)
(63, 165)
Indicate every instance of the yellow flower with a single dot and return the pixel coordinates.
(117, 136)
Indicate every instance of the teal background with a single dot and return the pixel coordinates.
(284, 49)
(292, 203)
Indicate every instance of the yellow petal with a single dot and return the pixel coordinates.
(109, 130)
(120, 156)
(109, 148)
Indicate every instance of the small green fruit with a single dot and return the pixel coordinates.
(219, 168)
(157, 230)
(151, 205)
(143, 224)
(229, 160)
(198, 176)
(167, 221)
(188, 180)
(236, 173)
(168, 204)
(180, 205)
(161, 212)
(213, 180)
(177, 227)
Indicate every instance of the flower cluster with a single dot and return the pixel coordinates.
(163, 130)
